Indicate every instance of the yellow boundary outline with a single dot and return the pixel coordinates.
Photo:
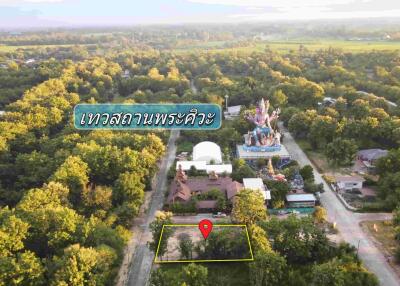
(205, 260)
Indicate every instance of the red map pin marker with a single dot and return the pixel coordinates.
(205, 227)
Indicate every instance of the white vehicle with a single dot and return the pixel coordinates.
(219, 215)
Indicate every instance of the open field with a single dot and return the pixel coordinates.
(279, 46)
(384, 239)
(4, 48)
(385, 236)
(287, 46)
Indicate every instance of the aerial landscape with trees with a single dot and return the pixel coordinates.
(70, 199)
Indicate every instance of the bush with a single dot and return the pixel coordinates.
(329, 179)
(180, 208)
(310, 187)
(307, 173)
(397, 255)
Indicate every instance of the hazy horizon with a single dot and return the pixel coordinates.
(17, 14)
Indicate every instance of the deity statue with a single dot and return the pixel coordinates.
(263, 137)
(262, 119)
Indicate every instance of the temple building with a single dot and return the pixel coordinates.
(297, 184)
(183, 188)
(206, 156)
(271, 175)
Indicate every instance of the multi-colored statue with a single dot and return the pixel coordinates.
(263, 138)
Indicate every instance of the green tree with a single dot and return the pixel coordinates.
(278, 98)
(299, 124)
(21, 269)
(249, 207)
(343, 271)
(128, 187)
(83, 266)
(297, 239)
(279, 190)
(320, 215)
(156, 227)
(259, 239)
(268, 268)
(360, 109)
(97, 199)
(328, 274)
(341, 151)
(53, 226)
(322, 130)
(73, 173)
(307, 173)
(185, 246)
(195, 275)
(17, 265)
(243, 172)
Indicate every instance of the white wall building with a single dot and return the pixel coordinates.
(203, 166)
(232, 111)
(349, 182)
(257, 184)
(203, 154)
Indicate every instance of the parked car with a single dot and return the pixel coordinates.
(282, 212)
(219, 215)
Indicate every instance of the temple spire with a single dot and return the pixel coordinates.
(271, 171)
(180, 175)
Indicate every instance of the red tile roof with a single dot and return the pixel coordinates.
(206, 204)
(180, 192)
(183, 191)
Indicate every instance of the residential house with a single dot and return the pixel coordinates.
(347, 183)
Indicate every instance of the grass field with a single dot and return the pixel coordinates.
(279, 46)
(4, 48)
(287, 46)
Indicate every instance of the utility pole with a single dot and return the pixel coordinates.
(226, 102)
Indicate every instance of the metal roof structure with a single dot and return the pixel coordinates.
(300, 198)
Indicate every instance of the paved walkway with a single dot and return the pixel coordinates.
(142, 260)
(347, 222)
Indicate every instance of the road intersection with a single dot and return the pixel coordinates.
(347, 222)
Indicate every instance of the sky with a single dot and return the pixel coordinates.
(61, 13)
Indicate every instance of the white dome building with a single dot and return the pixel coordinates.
(207, 151)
